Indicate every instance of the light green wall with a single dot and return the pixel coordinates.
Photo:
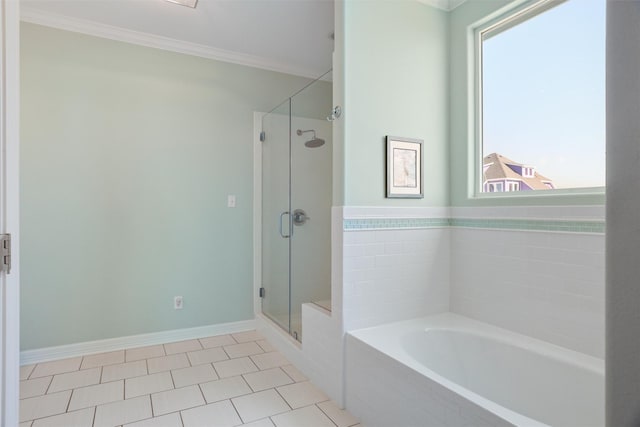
(128, 154)
(462, 156)
(395, 83)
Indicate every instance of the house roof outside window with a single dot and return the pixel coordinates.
(498, 168)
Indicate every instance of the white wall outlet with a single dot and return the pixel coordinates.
(231, 201)
(177, 303)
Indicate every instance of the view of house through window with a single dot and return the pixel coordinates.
(543, 99)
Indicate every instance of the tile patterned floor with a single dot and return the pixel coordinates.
(226, 380)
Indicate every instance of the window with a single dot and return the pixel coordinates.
(541, 97)
(493, 187)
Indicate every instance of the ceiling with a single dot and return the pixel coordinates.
(291, 36)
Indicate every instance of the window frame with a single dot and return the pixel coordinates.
(496, 23)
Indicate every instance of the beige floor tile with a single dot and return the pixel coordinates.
(82, 418)
(124, 370)
(220, 414)
(207, 356)
(302, 394)
(265, 422)
(294, 373)
(176, 400)
(34, 387)
(147, 384)
(217, 341)
(144, 353)
(124, 411)
(94, 395)
(266, 345)
(25, 424)
(339, 416)
(194, 375)
(242, 350)
(169, 420)
(269, 360)
(102, 359)
(227, 388)
(25, 371)
(247, 336)
(182, 347)
(44, 406)
(167, 363)
(310, 416)
(259, 405)
(233, 367)
(269, 378)
(56, 367)
(76, 379)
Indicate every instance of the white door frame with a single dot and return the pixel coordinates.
(9, 210)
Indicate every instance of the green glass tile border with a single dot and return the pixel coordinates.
(566, 226)
(394, 223)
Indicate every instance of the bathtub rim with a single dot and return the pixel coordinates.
(385, 339)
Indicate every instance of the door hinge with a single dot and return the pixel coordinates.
(261, 293)
(5, 252)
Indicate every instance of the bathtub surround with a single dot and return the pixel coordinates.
(535, 270)
(394, 274)
(545, 284)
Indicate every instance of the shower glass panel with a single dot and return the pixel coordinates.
(276, 225)
(311, 192)
(296, 205)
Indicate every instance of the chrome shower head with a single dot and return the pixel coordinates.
(313, 142)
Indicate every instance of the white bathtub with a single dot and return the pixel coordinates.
(451, 370)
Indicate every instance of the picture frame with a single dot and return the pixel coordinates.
(404, 168)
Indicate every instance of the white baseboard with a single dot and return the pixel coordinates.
(40, 355)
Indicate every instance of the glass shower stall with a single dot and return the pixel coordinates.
(296, 142)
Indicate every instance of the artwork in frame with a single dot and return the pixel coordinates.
(404, 167)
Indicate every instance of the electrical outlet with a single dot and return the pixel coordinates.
(231, 201)
(177, 303)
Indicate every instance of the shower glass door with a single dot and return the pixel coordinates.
(296, 206)
(276, 224)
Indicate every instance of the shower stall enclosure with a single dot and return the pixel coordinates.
(296, 157)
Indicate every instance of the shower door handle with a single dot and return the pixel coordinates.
(280, 225)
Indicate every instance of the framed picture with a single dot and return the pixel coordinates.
(404, 167)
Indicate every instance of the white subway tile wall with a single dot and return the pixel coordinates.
(392, 275)
(546, 285)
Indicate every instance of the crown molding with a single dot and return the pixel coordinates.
(446, 5)
(35, 16)
(455, 3)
